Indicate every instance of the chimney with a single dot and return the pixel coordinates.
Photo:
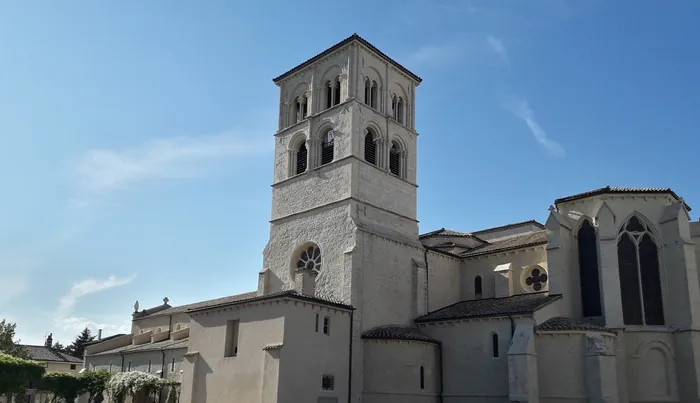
(99, 334)
(49, 340)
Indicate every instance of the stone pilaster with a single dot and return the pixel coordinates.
(609, 270)
(601, 371)
(523, 384)
(503, 280)
(559, 259)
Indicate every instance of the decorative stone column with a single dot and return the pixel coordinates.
(609, 268)
(559, 259)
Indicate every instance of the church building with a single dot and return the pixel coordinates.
(601, 303)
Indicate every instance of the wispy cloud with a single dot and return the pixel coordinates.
(102, 170)
(74, 324)
(437, 53)
(498, 48)
(67, 303)
(521, 109)
(15, 273)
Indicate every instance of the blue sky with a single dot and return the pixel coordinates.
(136, 137)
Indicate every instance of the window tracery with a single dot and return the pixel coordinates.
(309, 259)
(536, 278)
(640, 277)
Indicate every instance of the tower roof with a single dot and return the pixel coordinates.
(351, 38)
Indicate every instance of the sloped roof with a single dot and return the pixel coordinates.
(446, 233)
(353, 37)
(396, 332)
(102, 340)
(489, 307)
(561, 323)
(508, 226)
(216, 301)
(509, 243)
(157, 346)
(43, 353)
(284, 294)
(616, 189)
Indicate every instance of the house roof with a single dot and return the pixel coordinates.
(353, 37)
(284, 294)
(447, 233)
(216, 301)
(508, 226)
(490, 307)
(396, 332)
(618, 190)
(157, 346)
(510, 243)
(43, 353)
(90, 343)
(561, 323)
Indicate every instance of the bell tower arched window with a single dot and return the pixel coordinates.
(373, 95)
(395, 163)
(400, 111)
(477, 287)
(327, 148)
(302, 159)
(332, 89)
(370, 147)
(368, 92)
(588, 270)
(640, 277)
(394, 106)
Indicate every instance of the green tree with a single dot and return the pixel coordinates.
(17, 374)
(58, 346)
(77, 348)
(94, 383)
(8, 345)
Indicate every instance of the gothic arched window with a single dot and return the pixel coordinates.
(395, 159)
(588, 270)
(327, 148)
(302, 158)
(477, 287)
(370, 147)
(640, 277)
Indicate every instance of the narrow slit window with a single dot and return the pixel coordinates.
(373, 95)
(231, 348)
(172, 365)
(329, 94)
(477, 287)
(336, 97)
(149, 366)
(302, 158)
(422, 377)
(316, 326)
(370, 148)
(328, 382)
(400, 110)
(395, 159)
(326, 325)
(297, 111)
(494, 345)
(327, 149)
(368, 100)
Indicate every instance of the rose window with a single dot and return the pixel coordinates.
(310, 259)
(537, 279)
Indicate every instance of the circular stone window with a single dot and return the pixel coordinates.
(309, 260)
(535, 278)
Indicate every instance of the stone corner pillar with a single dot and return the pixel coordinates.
(609, 268)
(503, 280)
(188, 378)
(522, 366)
(601, 370)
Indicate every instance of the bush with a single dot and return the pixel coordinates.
(62, 385)
(94, 383)
(17, 374)
(126, 384)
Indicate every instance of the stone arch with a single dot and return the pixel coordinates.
(644, 220)
(642, 358)
(298, 154)
(331, 86)
(587, 250)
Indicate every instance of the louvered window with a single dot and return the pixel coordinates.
(302, 157)
(395, 160)
(327, 149)
(370, 148)
(588, 270)
(640, 279)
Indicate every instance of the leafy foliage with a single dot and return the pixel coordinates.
(62, 385)
(94, 383)
(77, 348)
(7, 343)
(125, 384)
(17, 374)
(59, 347)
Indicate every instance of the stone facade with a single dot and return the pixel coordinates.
(599, 304)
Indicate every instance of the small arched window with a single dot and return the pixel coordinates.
(588, 270)
(400, 110)
(373, 95)
(327, 148)
(336, 92)
(368, 92)
(477, 287)
(394, 106)
(302, 158)
(370, 147)
(640, 278)
(494, 345)
(395, 159)
(329, 94)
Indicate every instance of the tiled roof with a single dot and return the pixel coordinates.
(508, 226)
(284, 294)
(217, 301)
(395, 332)
(561, 323)
(340, 45)
(43, 353)
(445, 232)
(516, 305)
(157, 346)
(90, 343)
(615, 189)
(510, 243)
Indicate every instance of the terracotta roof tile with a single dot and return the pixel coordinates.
(489, 307)
(157, 346)
(508, 226)
(509, 243)
(395, 332)
(561, 323)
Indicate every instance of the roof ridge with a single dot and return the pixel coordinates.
(621, 189)
(515, 224)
